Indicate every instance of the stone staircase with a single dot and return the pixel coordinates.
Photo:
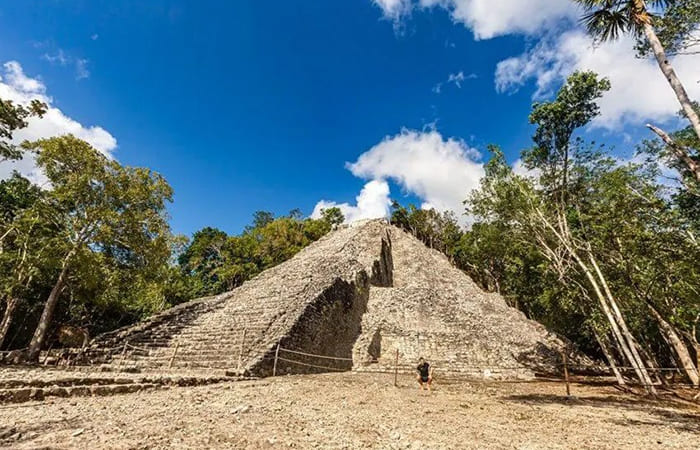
(357, 295)
(298, 304)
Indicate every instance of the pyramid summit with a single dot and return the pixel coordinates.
(358, 295)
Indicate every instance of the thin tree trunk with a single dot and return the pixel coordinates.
(673, 80)
(47, 314)
(637, 360)
(7, 318)
(617, 324)
(678, 151)
(677, 344)
(622, 342)
(609, 357)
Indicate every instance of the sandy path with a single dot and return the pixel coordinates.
(353, 411)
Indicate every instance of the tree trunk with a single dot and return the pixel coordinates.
(670, 74)
(677, 344)
(617, 322)
(609, 357)
(7, 318)
(678, 151)
(47, 314)
(637, 360)
(626, 345)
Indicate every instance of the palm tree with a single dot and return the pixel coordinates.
(607, 19)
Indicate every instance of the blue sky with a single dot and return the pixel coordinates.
(250, 105)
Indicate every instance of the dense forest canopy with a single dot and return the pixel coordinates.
(600, 250)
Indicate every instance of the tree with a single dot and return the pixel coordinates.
(262, 218)
(106, 216)
(14, 117)
(574, 106)
(676, 29)
(20, 256)
(202, 258)
(334, 216)
(607, 19)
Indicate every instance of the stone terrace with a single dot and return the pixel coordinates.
(358, 294)
(313, 302)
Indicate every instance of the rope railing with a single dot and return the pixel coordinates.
(462, 369)
(296, 352)
(335, 369)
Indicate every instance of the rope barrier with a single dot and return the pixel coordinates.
(315, 356)
(336, 369)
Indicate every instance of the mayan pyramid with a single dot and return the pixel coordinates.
(359, 294)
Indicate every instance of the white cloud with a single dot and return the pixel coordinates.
(15, 85)
(491, 18)
(81, 70)
(394, 9)
(459, 78)
(62, 58)
(639, 91)
(455, 78)
(373, 202)
(59, 57)
(441, 172)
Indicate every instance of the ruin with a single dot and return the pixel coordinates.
(359, 294)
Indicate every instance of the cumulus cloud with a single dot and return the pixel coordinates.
(15, 85)
(441, 172)
(373, 202)
(639, 91)
(491, 18)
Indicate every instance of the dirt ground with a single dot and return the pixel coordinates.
(354, 411)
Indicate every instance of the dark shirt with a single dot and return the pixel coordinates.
(424, 370)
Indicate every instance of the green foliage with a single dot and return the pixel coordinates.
(642, 236)
(437, 230)
(14, 117)
(215, 262)
(608, 19)
(676, 28)
(334, 216)
(97, 240)
(574, 106)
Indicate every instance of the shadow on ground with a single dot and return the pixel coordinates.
(664, 412)
(10, 435)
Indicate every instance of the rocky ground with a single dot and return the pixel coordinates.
(354, 411)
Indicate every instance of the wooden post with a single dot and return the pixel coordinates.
(396, 369)
(240, 353)
(274, 367)
(172, 358)
(565, 355)
(126, 343)
(48, 353)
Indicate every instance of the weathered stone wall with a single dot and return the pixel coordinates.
(360, 293)
(435, 311)
(329, 326)
(313, 302)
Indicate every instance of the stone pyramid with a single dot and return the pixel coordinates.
(359, 294)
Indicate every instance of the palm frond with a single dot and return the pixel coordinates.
(605, 24)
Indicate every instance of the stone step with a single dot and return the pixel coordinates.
(71, 387)
(26, 394)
